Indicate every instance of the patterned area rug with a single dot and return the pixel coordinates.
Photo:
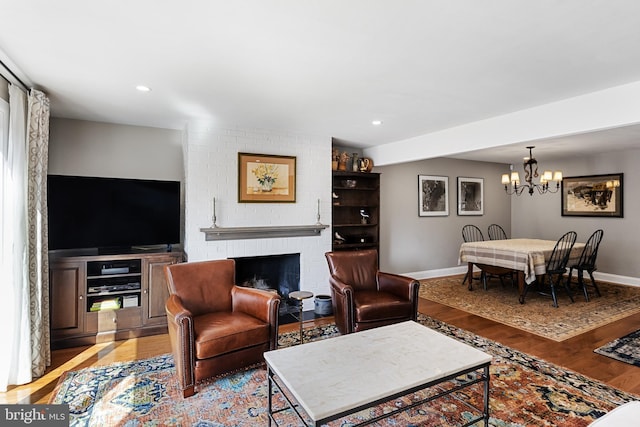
(625, 349)
(537, 315)
(524, 392)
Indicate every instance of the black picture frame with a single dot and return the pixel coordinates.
(593, 195)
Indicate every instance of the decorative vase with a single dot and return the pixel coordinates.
(342, 166)
(266, 186)
(366, 164)
(334, 165)
(354, 162)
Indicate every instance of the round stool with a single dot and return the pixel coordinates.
(300, 296)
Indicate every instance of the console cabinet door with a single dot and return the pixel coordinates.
(67, 298)
(156, 291)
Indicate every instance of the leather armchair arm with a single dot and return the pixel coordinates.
(255, 302)
(261, 304)
(402, 286)
(180, 325)
(342, 294)
(175, 310)
(340, 287)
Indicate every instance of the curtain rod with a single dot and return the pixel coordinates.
(13, 75)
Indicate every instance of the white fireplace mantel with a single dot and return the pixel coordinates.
(265, 232)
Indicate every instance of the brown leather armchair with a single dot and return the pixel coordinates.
(215, 326)
(365, 298)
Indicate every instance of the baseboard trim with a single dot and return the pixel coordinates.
(442, 272)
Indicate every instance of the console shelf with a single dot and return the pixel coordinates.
(96, 298)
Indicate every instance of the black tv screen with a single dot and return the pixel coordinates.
(104, 213)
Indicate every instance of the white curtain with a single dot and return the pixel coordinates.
(24, 314)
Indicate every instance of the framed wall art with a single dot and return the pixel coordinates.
(470, 196)
(265, 178)
(593, 195)
(433, 195)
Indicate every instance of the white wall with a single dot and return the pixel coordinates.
(79, 147)
(419, 245)
(212, 171)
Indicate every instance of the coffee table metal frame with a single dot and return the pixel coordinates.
(461, 379)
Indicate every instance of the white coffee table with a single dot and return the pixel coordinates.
(336, 377)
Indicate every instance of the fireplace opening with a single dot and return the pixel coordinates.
(272, 272)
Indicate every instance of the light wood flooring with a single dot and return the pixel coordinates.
(575, 353)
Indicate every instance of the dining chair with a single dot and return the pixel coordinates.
(556, 266)
(496, 232)
(471, 233)
(587, 262)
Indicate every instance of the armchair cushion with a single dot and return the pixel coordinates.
(376, 306)
(226, 332)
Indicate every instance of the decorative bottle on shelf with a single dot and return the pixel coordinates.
(354, 162)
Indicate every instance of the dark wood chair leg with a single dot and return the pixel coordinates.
(583, 285)
(593, 282)
(553, 291)
(566, 286)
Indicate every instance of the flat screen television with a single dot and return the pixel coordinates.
(112, 214)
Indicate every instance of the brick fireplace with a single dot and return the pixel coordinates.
(211, 168)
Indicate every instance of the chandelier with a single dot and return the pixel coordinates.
(531, 171)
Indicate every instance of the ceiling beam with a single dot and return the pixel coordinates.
(606, 109)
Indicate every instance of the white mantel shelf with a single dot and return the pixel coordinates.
(237, 233)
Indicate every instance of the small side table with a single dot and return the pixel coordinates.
(300, 296)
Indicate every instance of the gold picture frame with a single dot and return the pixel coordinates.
(266, 178)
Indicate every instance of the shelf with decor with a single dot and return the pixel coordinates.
(97, 298)
(355, 210)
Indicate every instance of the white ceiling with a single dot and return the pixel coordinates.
(326, 67)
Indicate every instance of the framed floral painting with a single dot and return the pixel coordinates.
(265, 178)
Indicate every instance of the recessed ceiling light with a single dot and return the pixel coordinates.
(376, 122)
(143, 88)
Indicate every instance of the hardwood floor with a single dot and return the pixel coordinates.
(575, 353)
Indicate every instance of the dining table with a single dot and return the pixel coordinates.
(526, 257)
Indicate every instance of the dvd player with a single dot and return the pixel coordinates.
(113, 267)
